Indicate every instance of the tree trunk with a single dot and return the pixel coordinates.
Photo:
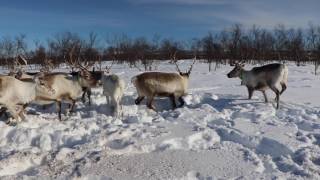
(316, 66)
(217, 64)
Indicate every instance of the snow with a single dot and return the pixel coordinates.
(217, 134)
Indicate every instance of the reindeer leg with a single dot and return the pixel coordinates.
(277, 92)
(14, 114)
(173, 101)
(108, 100)
(83, 98)
(138, 100)
(21, 113)
(72, 105)
(181, 101)
(150, 103)
(44, 107)
(114, 105)
(58, 104)
(89, 95)
(284, 87)
(265, 96)
(250, 92)
(278, 100)
(3, 111)
(116, 109)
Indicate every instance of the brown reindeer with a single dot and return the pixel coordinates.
(162, 84)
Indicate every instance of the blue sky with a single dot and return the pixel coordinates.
(179, 19)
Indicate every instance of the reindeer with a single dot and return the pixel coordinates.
(87, 89)
(271, 76)
(17, 71)
(162, 84)
(66, 87)
(16, 93)
(75, 64)
(113, 88)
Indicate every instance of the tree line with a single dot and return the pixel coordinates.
(235, 43)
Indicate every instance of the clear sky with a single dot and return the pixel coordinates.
(179, 19)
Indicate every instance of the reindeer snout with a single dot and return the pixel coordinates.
(229, 76)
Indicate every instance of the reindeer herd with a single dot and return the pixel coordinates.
(19, 89)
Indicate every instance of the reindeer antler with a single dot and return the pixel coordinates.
(17, 64)
(72, 62)
(194, 61)
(23, 59)
(177, 67)
(47, 66)
(175, 61)
(109, 67)
(86, 65)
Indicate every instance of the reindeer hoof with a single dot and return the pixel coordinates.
(152, 108)
(181, 105)
(137, 101)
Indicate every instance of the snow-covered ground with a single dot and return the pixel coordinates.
(218, 134)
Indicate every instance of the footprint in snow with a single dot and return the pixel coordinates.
(119, 144)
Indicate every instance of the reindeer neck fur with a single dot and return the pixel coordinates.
(27, 88)
(185, 80)
(249, 79)
(77, 79)
(79, 83)
(245, 76)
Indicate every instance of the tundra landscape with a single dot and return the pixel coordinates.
(142, 90)
(219, 133)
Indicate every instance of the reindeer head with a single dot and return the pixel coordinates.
(19, 74)
(87, 78)
(97, 75)
(236, 71)
(42, 84)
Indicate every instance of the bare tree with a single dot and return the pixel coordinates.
(313, 45)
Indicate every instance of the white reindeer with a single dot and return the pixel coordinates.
(113, 89)
(16, 94)
(271, 76)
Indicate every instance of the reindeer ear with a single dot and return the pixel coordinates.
(39, 77)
